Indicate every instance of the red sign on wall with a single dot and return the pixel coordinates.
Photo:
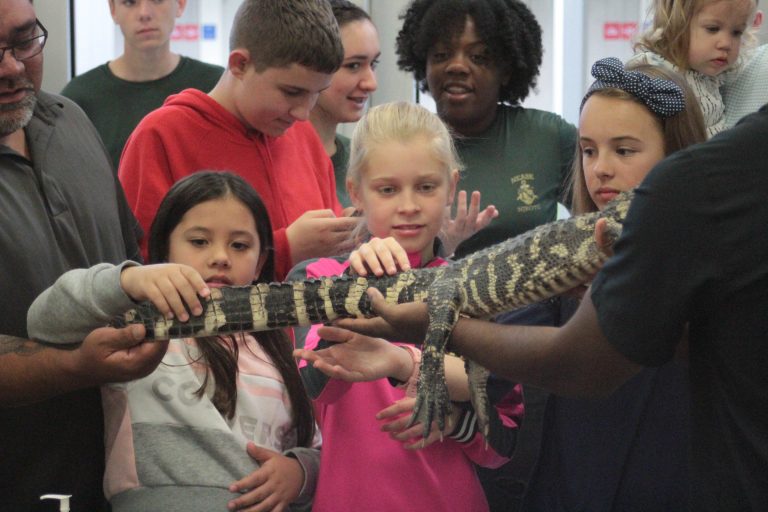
(186, 32)
(616, 30)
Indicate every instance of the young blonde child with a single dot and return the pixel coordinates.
(222, 422)
(402, 174)
(701, 39)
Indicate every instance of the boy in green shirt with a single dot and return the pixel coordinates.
(118, 94)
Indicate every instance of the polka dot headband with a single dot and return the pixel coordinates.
(662, 97)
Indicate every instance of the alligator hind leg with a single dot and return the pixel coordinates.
(478, 395)
(432, 400)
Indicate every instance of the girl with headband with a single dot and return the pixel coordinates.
(629, 451)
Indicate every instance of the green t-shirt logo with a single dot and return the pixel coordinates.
(525, 193)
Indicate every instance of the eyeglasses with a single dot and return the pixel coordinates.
(29, 48)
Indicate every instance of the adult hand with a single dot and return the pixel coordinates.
(399, 322)
(116, 355)
(380, 255)
(467, 221)
(357, 358)
(603, 237)
(168, 286)
(274, 486)
(319, 233)
(604, 240)
(397, 416)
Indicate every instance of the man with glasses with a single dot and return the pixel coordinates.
(61, 207)
(16, 114)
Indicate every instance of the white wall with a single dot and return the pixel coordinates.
(99, 40)
(54, 14)
(542, 97)
(572, 32)
(393, 83)
(95, 39)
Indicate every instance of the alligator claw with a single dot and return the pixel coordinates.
(432, 400)
(478, 395)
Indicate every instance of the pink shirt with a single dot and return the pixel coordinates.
(361, 468)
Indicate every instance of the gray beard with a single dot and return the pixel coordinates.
(16, 115)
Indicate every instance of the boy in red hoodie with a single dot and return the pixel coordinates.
(254, 123)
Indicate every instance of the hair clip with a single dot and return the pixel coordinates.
(662, 97)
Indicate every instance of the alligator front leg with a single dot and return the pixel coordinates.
(432, 400)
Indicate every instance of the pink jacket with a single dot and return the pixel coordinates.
(363, 469)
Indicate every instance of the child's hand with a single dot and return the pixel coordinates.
(319, 233)
(467, 221)
(168, 286)
(379, 255)
(274, 486)
(411, 437)
(357, 358)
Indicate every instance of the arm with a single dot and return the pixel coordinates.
(329, 365)
(33, 371)
(319, 233)
(355, 358)
(349, 357)
(467, 222)
(309, 459)
(575, 359)
(83, 299)
(79, 301)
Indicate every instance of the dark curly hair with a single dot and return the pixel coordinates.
(507, 27)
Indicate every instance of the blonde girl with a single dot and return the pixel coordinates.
(701, 39)
(402, 174)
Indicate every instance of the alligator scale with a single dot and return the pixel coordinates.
(528, 268)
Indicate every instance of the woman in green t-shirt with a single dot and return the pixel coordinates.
(479, 60)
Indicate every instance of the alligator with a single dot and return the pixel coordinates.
(533, 266)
